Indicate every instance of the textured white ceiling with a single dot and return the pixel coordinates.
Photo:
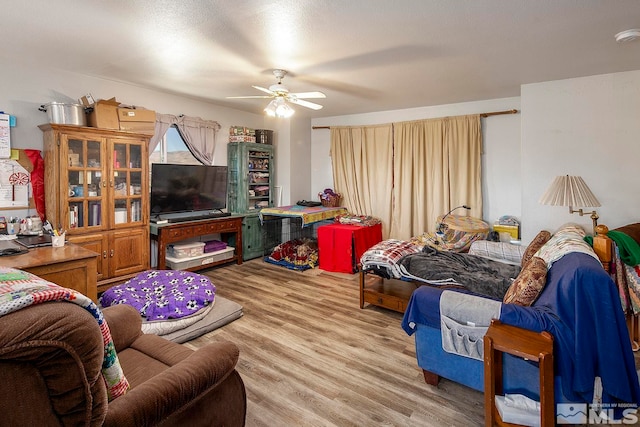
(366, 55)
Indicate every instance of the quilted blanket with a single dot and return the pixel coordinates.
(382, 258)
(625, 268)
(19, 289)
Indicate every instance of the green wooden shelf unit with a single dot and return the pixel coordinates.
(251, 184)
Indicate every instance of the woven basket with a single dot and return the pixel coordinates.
(329, 201)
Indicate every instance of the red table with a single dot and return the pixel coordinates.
(340, 246)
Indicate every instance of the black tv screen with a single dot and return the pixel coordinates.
(187, 188)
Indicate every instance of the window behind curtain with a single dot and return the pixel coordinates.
(172, 149)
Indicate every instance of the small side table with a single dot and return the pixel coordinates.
(341, 246)
(501, 338)
(71, 266)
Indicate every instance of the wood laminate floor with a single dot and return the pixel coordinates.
(309, 356)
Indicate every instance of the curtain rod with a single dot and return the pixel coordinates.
(493, 113)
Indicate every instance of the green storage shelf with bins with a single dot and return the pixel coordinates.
(251, 183)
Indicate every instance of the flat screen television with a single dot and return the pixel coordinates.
(179, 188)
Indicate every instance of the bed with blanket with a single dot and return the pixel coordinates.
(488, 269)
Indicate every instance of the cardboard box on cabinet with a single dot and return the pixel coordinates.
(104, 114)
(136, 115)
(137, 120)
(138, 127)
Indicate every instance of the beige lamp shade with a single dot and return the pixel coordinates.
(569, 191)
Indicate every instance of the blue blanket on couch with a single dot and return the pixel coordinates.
(581, 308)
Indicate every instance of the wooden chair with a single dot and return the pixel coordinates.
(501, 338)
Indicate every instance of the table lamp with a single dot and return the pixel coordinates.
(573, 192)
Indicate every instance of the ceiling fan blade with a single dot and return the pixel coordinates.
(249, 96)
(301, 95)
(263, 89)
(307, 104)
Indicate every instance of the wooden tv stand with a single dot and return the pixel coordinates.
(229, 228)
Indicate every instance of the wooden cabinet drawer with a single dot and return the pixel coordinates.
(222, 226)
(182, 233)
(201, 229)
(381, 300)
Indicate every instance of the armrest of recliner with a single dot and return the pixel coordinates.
(154, 400)
(125, 324)
(51, 357)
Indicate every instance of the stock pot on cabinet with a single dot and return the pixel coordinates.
(65, 113)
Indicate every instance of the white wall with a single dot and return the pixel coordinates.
(301, 161)
(24, 89)
(283, 158)
(584, 126)
(501, 147)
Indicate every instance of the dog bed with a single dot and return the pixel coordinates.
(223, 312)
(176, 305)
(164, 327)
(163, 294)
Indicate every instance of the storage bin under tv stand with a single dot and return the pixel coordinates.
(229, 228)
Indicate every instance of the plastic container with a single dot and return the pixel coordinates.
(185, 250)
(207, 258)
(57, 241)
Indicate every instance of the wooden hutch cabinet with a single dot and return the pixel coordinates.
(96, 188)
(251, 181)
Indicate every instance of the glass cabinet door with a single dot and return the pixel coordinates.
(259, 178)
(127, 182)
(83, 186)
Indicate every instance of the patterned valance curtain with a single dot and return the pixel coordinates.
(199, 135)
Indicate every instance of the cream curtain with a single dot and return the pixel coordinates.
(437, 166)
(362, 159)
(409, 173)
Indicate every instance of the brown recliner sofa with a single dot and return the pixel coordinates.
(51, 357)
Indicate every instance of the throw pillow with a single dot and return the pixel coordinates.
(529, 283)
(535, 245)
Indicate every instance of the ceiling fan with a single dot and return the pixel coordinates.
(278, 106)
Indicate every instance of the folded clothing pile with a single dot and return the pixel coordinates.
(361, 220)
(214, 245)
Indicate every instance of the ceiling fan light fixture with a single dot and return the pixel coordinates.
(627, 36)
(279, 108)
